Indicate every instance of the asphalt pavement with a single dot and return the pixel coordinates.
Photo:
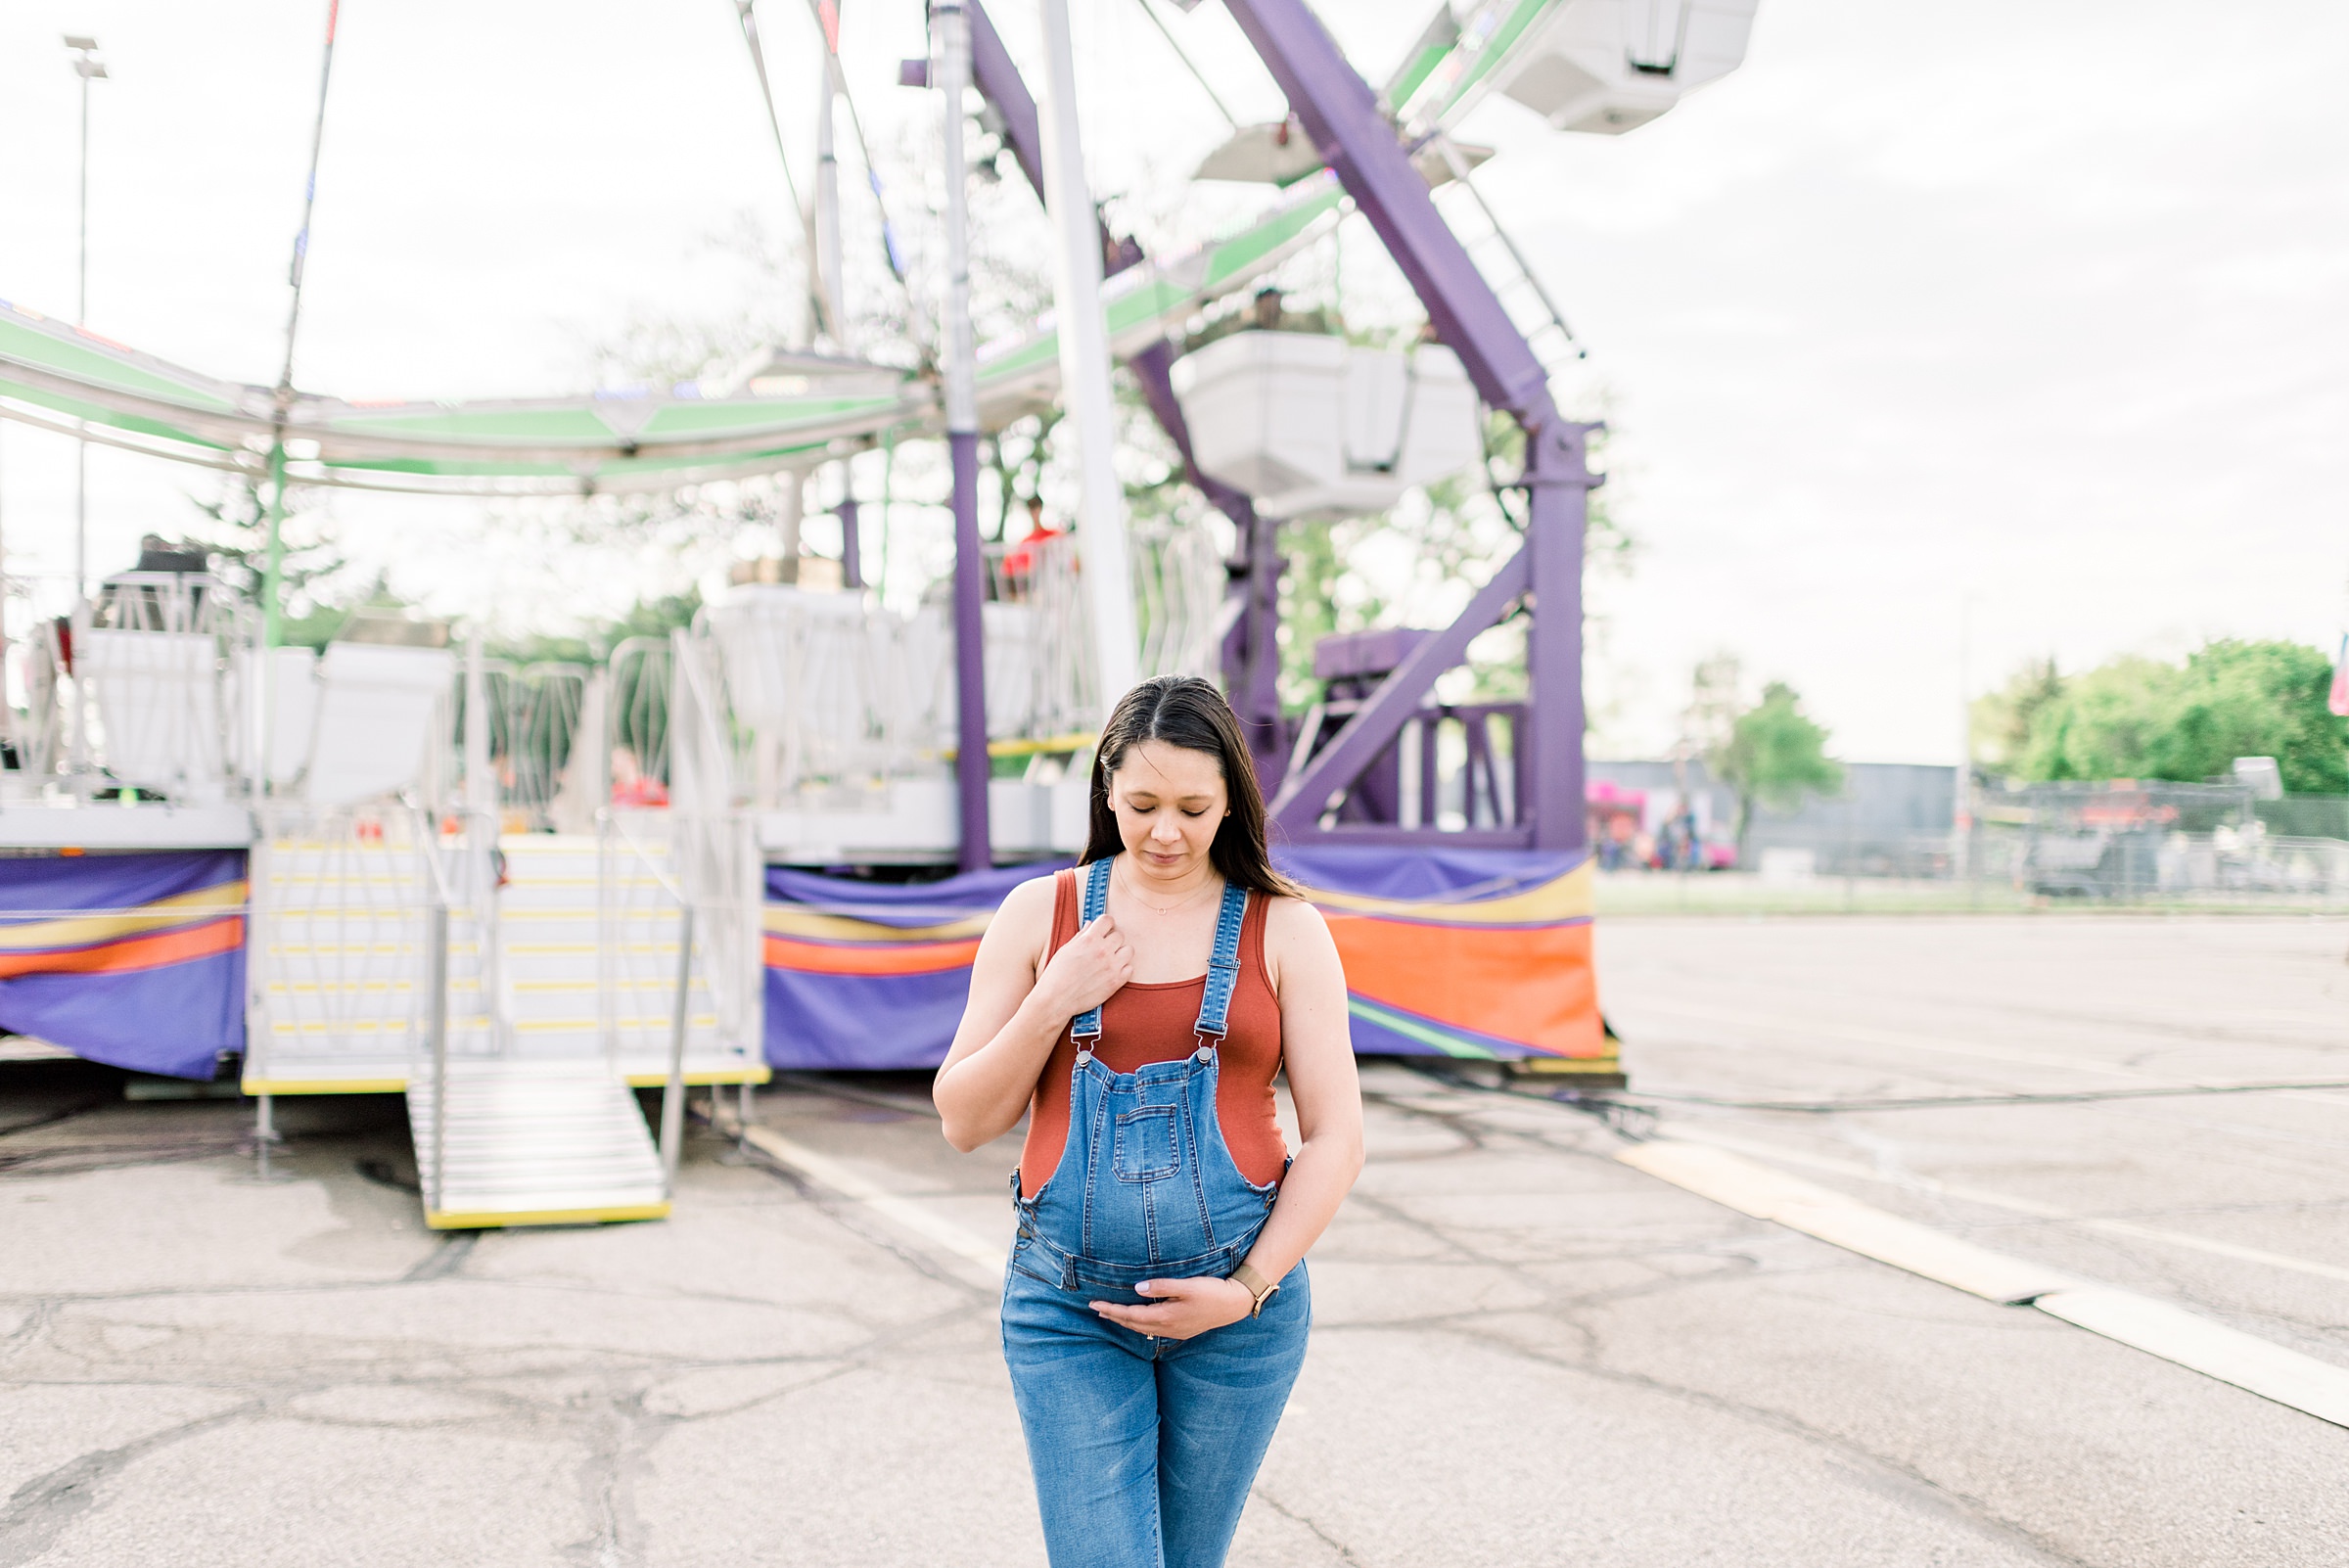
(1527, 1352)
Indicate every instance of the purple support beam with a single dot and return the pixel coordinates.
(952, 39)
(1251, 650)
(1374, 725)
(1341, 113)
(851, 548)
(971, 768)
(998, 81)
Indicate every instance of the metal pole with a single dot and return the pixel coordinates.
(480, 827)
(851, 548)
(436, 939)
(88, 67)
(1250, 653)
(81, 315)
(672, 1091)
(953, 42)
(1961, 800)
(271, 615)
(1085, 366)
(829, 269)
(1558, 487)
(264, 1132)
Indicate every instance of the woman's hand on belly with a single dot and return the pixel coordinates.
(1183, 1309)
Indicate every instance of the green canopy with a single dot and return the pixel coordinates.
(70, 379)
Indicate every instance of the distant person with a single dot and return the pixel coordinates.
(1022, 559)
(1136, 1009)
(631, 787)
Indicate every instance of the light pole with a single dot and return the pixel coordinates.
(89, 67)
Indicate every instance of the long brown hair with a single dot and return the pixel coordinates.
(1187, 712)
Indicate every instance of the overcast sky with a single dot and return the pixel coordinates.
(2041, 309)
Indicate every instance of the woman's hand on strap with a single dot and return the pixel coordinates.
(1182, 1308)
(1011, 1021)
(1088, 969)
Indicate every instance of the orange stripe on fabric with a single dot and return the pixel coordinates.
(1534, 985)
(138, 952)
(819, 958)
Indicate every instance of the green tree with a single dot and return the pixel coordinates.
(1774, 754)
(2138, 717)
(1460, 528)
(593, 643)
(2001, 720)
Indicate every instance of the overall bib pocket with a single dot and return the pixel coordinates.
(1146, 1149)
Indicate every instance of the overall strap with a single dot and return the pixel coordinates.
(1095, 900)
(1224, 964)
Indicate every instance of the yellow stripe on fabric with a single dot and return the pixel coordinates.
(791, 920)
(80, 931)
(1571, 896)
(1568, 897)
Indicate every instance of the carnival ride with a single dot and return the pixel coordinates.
(774, 839)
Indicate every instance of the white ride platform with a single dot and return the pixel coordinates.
(70, 824)
(917, 821)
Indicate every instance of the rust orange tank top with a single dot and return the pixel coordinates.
(1152, 1023)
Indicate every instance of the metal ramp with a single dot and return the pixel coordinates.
(518, 1142)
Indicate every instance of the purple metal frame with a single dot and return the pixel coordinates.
(1340, 112)
(1250, 653)
(972, 764)
(851, 546)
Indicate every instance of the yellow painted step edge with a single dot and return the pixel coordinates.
(491, 1219)
(699, 1077)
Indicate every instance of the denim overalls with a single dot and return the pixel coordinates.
(1143, 1448)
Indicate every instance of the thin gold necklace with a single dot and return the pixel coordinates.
(1183, 903)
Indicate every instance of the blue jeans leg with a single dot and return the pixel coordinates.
(1219, 1397)
(1142, 1450)
(1088, 1396)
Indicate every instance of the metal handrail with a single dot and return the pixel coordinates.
(672, 1089)
(439, 895)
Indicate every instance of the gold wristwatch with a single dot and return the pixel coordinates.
(1257, 1285)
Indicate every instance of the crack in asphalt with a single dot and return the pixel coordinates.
(444, 1261)
(1343, 1551)
(39, 1509)
(1891, 1477)
(64, 1113)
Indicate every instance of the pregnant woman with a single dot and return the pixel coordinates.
(1137, 1009)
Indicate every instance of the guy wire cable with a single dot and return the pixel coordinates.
(827, 18)
(1158, 21)
(744, 13)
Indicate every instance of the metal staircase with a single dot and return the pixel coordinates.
(516, 986)
(341, 964)
(513, 1000)
(587, 960)
(532, 1143)
(550, 1135)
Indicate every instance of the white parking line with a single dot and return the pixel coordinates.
(2158, 1328)
(2000, 1200)
(971, 1256)
(1897, 1040)
(1739, 1184)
